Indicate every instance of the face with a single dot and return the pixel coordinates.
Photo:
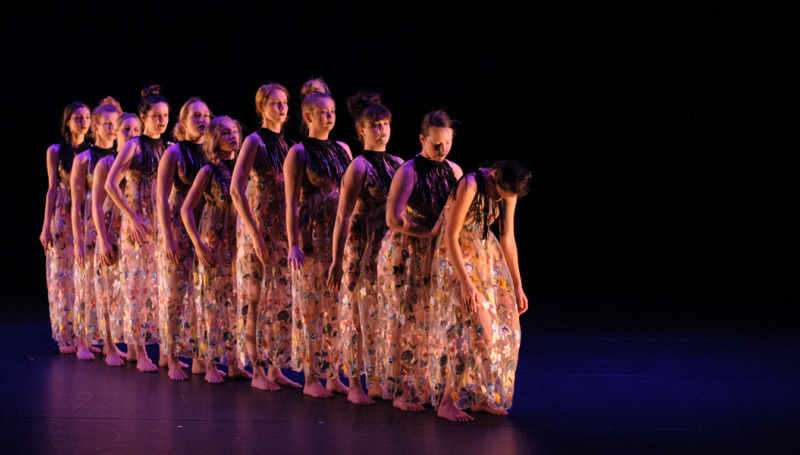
(197, 119)
(229, 137)
(276, 107)
(323, 116)
(105, 129)
(80, 120)
(128, 129)
(156, 119)
(376, 133)
(436, 145)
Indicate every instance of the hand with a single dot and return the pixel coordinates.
(139, 230)
(204, 255)
(46, 238)
(522, 300)
(471, 297)
(80, 254)
(437, 228)
(106, 253)
(334, 280)
(260, 248)
(171, 251)
(296, 258)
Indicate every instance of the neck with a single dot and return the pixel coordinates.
(196, 140)
(104, 143)
(429, 157)
(152, 135)
(76, 138)
(223, 155)
(376, 147)
(318, 134)
(275, 127)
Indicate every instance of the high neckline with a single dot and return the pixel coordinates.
(149, 140)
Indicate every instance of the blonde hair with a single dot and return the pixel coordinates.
(262, 95)
(179, 132)
(107, 104)
(125, 116)
(213, 136)
(312, 92)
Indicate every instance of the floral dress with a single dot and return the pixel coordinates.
(88, 285)
(111, 307)
(137, 262)
(266, 289)
(357, 296)
(404, 263)
(478, 353)
(316, 324)
(59, 262)
(215, 297)
(175, 296)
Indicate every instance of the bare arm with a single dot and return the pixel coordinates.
(77, 184)
(46, 237)
(187, 213)
(456, 169)
(470, 297)
(400, 191)
(115, 176)
(241, 172)
(293, 169)
(164, 181)
(98, 197)
(509, 245)
(350, 190)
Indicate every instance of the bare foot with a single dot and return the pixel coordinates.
(260, 381)
(132, 357)
(451, 412)
(335, 385)
(120, 352)
(199, 366)
(238, 373)
(315, 388)
(67, 349)
(84, 353)
(113, 358)
(213, 375)
(93, 349)
(357, 395)
(145, 364)
(175, 372)
(376, 392)
(276, 375)
(483, 407)
(406, 406)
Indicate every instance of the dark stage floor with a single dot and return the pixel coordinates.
(579, 390)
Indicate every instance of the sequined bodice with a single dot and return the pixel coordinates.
(144, 166)
(190, 161)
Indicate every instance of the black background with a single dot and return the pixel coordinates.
(660, 137)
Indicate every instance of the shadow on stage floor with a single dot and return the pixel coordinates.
(579, 389)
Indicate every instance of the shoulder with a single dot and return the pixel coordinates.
(252, 137)
(457, 169)
(344, 146)
(408, 166)
(397, 159)
(298, 148)
(83, 157)
(359, 164)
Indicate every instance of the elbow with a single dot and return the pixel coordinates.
(392, 221)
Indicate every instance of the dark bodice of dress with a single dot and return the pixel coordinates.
(432, 187)
(190, 162)
(144, 166)
(272, 150)
(218, 191)
(483, 211)
(95, 155)
(66, 155)
(326, 162)
(378, 179)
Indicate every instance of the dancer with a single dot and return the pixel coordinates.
(107, 219)
(361, 220)
(87, 290)
(176, 173)
(418, 193)
(137, 163)
(313, 172)
(479, 297)
(215, 250)
(262, 277)
(57, 235)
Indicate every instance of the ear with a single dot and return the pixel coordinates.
(93, 127)
(422, 140)
(307, 117)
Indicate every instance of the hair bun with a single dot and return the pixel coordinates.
(110, 101)
(315, 86)
(359, 102)
(152, 90)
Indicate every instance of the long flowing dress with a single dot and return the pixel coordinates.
(404, 281)
(59, 262)
(316, 331)
(88, 284)
(175, 296)
(266, 289)
(358, 294)
(478, 353)
(111, 307)
(216, 303)
(137, 263)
